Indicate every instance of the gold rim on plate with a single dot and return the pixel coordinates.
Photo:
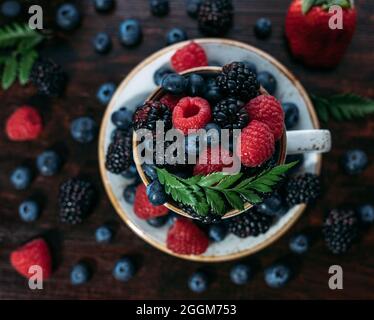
(114, 200)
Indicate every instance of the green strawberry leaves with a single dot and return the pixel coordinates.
(325, 4)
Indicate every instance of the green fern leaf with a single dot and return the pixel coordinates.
(25, 65)
(9, 73)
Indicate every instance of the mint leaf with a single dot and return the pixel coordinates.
(9, 73)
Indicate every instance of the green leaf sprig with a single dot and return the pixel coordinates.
(343, 107)
(17, 53)
(212, 192)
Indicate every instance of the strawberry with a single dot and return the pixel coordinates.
(309, 36)
(184, 237)
(143, 208)
(190, 56)
(35, 252)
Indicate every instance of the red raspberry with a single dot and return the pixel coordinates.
(170, 101)
(268, 110)
(35, 252)
(143, 208)
(256, 144)
(213, 160)
(190, 56)
(24, 124)
(191, 114)
(184, 237)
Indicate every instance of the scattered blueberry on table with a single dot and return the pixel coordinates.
(48, 163)
(159, 8)
(366, 213)
(130, 32)
(102, 42)
(21, 177)
(198, 282)
(240, 273)
(263, 28)
(124, 269)
(176, 35)
(299, 244)
(192, 7)
(80, 274)
(68, 16)
(354, 161)
(103, 6)
(10, 8)
(277, 276)
(83, 129)
(103, 234)
(105, 92)
(29, 211)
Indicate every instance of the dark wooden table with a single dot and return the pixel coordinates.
(161, 276)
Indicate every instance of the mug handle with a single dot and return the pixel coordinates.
(304, 141)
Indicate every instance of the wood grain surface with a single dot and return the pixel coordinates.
(160, 276)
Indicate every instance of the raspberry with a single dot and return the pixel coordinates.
(143, 208)
(213, 160)
(191, 113)
(24, 124)
(35, 252)
(256, 144)
(190, 56)
(268, 110)
(170, 101)
(184, 237)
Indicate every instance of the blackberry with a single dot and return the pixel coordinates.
(215, 17)
(302, 189)
(250, 223)
(48, 77)
(238, 80)
(119, 153)
(75, 200)
(230, 114)
(340, 229)
(207, 219)
(146, 116)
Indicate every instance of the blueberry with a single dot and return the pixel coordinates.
(240, 274)
(299, 244)
(48, 163)
(268, 81)
(158, 221)
(160, 74)
(105, 92)
(129, 193)
(130, 32)
(21, 177)
(176, 35)
(196, 85)
(217, 232)
(102, 42)
(10, 8)
(104, 5)
(29, 210)
(174, 83)
(122, 118)
(198, 282)
(131, 172)
(80, 274)
(213, 131)
(272, 206)
(192, 7)
(103, 234)
(150, 171)
(159, 8)
(366, 213)
(354, 161)
(156, 193)
(83, 129)
(68, 17)
(291, 114)
(124, 269)
(172, 217)
(251, 66)
(263, 28)
(277, 275)
(212, 93)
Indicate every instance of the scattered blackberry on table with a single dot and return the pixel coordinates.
(124, 269)
(156, 193)
(230, 113)
(239, 81)
(240, 274)
(198, 282)
(207, 219)
(83, 129)
(48, 77)
(104, 5)
(29, 210)
(176, 35)
(217, 232)
(130, 32)
(192, 7)
(174, 83)
(215, 17)
(21, 177)
(129, 193)
(48, 163)
(119, 153)
(195, 85)
(291, 114)
(304, 188)
(122, 118)
(263, 28)
(160, 74)
(146, 116)
(75, 199)
(159, 8)
(267, 81)
(11, 8)
(80, 274)
(68, 17)
(103, 234)
(158, 222)
(273, 206)
(354, 161)
(299, 243)
(340, 229)
(277, 276)
(105, 92)
(102, 43)
(366, 213)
